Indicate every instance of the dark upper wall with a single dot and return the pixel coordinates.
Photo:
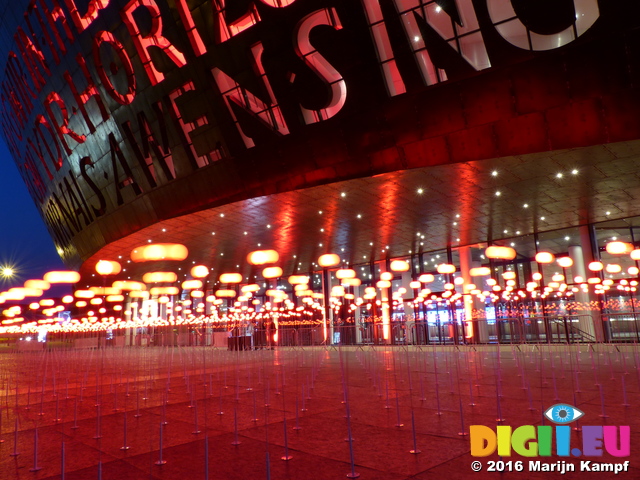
(581, 94)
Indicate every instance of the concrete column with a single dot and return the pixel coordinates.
(409, 311)
(406, 281)
(357, 292)
(476, 330)
(582, 255)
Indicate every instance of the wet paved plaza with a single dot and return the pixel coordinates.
(301, 413)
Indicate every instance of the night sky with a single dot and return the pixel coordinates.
(25, 243)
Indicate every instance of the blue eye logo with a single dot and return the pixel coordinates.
(563, 414)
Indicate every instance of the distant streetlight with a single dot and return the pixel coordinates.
(8, 272)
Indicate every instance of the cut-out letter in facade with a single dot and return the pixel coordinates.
(457, 25)
(153, 38)
(268, 114)
(320, 65)
(511, 28)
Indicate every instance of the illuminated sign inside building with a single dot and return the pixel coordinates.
(105, 100)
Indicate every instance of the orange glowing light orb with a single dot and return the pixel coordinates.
(444, 268)
(39, 284)
(345, 273)
(108, 267)
(272, 272)
(159, 277)
(595, 266)
(191, 284)
(386, 276)
(250, 288)
(263, 257)
(298, 280)
(426, 278)
(159, 251)
(164, 291)
(545, 257)
(328, 260)
(480, 271)
(62, 277)
(224, 293)
(351, 282)
(230, 278)
(500, 253)
(619, 248)
(199, 271)
(613, 268)
(565, 262)
(399, 266)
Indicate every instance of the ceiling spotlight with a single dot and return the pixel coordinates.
(497, 194)
(494, 173)
(420, 191)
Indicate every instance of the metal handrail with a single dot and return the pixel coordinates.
(524, 329)
(585, 336)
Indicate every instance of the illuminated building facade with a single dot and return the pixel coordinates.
(375, 129)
